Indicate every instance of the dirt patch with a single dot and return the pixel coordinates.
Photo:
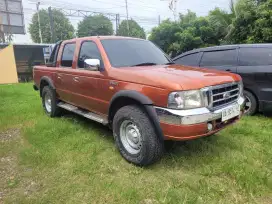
(9, 173)
(265, 200)
(14, 179)
(11, 134)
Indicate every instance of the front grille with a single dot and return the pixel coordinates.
(224, 94)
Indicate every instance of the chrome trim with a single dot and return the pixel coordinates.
(212, 88)
(193, 116)
(227, 92)
(224, 85)
(222, 99)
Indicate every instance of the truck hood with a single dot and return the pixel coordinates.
(176, 76)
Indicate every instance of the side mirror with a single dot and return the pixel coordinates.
(92, 64)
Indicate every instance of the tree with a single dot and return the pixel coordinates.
(188, 33)
(165, 35)
(135, 30)
(244, 22)
(222, 21)
(62, 27)
(262, 32)
(95, 25)
(6, 37)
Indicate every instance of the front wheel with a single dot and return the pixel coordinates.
(135, 136)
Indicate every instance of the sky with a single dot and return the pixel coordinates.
(145, 12)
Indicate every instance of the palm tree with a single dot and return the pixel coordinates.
(222, 21)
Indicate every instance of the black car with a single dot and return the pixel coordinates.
(252, 61)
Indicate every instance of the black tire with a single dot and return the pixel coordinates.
(151, 149)
(250, 98)
(55, 110)
(169, 145)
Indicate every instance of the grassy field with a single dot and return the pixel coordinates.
(73, 160)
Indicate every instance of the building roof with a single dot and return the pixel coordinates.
(25, 45)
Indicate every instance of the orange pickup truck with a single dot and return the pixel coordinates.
(134, 88)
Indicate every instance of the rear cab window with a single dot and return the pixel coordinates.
(68, 55)
(255, 56)
(219, 58)
(190, 60)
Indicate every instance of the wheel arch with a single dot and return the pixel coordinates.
(129, 97)
(46, 81)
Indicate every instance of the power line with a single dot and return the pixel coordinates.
(145, 7)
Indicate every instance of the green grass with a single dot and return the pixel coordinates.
(73, 160)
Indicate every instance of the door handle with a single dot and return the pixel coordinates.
(228, 70)
(76, 79)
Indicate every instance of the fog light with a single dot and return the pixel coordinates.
(210, 127)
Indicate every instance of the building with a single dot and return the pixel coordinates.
(25, 56)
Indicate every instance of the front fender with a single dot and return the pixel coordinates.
(142, 100)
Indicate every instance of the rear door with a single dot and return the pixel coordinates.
(224, 60)
(190, 59)
(65, 77)
(255, 67)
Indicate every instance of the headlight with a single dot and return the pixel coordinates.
(187, 99)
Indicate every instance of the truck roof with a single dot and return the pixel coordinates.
(102, 38)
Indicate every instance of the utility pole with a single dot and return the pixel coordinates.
(127, 17)
(40, 32)
(52, 29)
(2, 34)
(159, 19)
(117, 20)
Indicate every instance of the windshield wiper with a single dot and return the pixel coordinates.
(145, 64)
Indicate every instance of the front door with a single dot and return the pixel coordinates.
(90, 84)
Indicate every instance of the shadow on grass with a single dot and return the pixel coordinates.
(87, 124)
(186, 151)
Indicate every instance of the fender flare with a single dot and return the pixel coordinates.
(48, 81)
(146, 103)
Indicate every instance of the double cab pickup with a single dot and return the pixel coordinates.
(134, 88)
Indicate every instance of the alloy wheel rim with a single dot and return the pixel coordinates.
(248, 104)
(130, 137)
(48, 103)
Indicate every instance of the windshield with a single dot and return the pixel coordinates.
(133, 52)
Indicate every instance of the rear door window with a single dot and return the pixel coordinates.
(219, 58)
(68, 55)
(255, 56)
(190, 60)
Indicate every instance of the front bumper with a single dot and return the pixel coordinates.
(189, 124)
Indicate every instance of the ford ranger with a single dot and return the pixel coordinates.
(134, 88)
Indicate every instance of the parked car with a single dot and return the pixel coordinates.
(252, 61)
(131, 86)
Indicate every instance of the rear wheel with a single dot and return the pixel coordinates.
(251, 103)
(135, 136)
(49, 102)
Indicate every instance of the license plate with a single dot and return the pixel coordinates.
(230, 112)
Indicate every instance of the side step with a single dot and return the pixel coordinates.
(84, 113)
